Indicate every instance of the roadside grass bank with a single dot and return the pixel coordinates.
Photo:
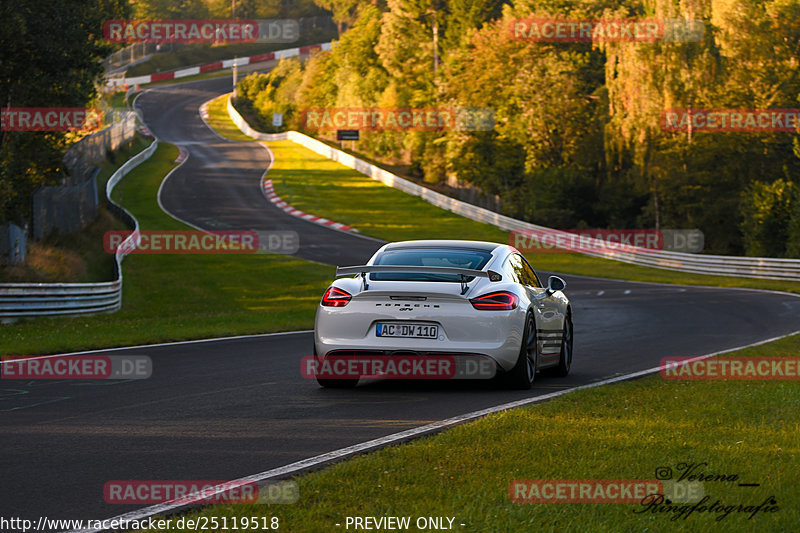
(220, 122)
(315, 184)
(116, 100)
(116, 159)
(745, 431)
(77, 257)
(74, 258)
(179, 297)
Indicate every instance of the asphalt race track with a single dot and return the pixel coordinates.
(225, 409)
(217, 188)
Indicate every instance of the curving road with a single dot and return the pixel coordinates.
(217, 188)
(229, 408)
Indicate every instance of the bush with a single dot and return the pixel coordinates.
(768, 210)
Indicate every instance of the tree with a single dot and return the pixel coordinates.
(405, 49)
(546, 114)
(465, 16)
(171, 9)
(49, 53)
(767, 210)
(345, 12)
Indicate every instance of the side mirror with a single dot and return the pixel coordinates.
(554, 283)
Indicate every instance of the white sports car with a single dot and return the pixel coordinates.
(459, 298)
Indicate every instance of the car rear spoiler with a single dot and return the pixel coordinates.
(411, 269)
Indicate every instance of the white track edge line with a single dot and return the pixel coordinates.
(175, 343)
(682, 285)
(215, 132)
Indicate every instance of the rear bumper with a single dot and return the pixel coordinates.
(497, 336)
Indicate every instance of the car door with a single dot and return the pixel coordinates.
(549, 309)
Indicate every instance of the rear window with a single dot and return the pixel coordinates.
(439, 257)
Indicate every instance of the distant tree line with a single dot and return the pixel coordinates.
(578, 140)
(221, 9)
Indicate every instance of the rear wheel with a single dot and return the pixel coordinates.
(565, 361)
(524, 372)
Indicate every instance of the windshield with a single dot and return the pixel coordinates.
(439, 257)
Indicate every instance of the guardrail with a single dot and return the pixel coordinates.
(18, 300)
(719, 265)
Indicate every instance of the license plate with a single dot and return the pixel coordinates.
(417, 331)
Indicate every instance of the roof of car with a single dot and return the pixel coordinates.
(482, 246)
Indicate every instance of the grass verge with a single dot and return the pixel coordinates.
(620, 432)
(74, 258)
(77, 257)
(219, 120)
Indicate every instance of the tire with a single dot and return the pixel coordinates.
(565, 361)
(521, 377)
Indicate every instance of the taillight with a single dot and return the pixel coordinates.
(334, 297)
(495, 301)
